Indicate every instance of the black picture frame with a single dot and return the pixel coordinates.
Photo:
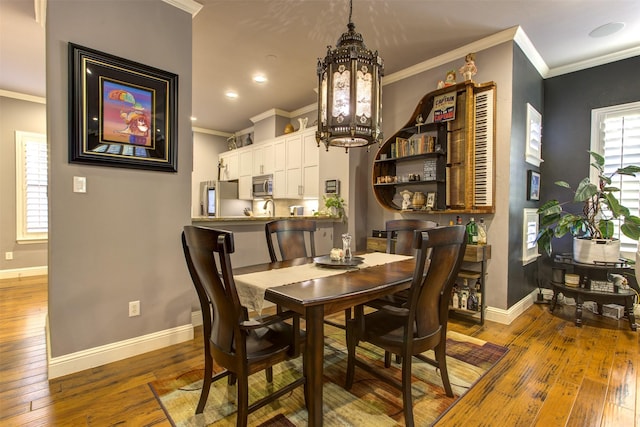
(533, 185)
(122, 113)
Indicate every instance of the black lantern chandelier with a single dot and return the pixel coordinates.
(350, 94)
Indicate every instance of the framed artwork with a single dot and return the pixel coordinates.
(123, 114)
(431, 200)
(530, 227)
(533, 185)
(533, 150)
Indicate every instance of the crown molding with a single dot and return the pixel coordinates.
(594, 62)
(22, 96)
(270, 113)
(188, 6)
(530, 52)
(210, 132)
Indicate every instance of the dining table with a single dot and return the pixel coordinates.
(315, 288)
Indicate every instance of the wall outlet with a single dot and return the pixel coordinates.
(134, 308)
(8, 256)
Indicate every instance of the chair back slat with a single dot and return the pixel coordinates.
(441, 249)
(400, 234)
(291, 237)
(214, 284)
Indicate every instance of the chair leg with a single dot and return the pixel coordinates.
(243, 401)
(269, 374)
(441, 358)
(387, 359)
(206, 384)
(232, 379)
(351, 352)
(407, 401)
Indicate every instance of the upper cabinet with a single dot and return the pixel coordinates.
(445, 154)
(292, 159)
(229, 165)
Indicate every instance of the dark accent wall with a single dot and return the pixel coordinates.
(566, 134)
(527, 88)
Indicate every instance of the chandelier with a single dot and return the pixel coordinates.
(349, 93)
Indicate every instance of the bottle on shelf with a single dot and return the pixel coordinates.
(458, 220)
(455, 301)
(472, 232)
(479, 294)
(482, 232)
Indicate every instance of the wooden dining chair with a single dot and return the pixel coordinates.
(421, 325)
(291, 236)
(238, 345)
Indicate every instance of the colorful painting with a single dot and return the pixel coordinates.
(124, 114)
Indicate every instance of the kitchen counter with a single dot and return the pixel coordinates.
(255, 219)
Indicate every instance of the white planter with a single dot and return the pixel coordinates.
(587, 251)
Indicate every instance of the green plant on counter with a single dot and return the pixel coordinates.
(334, 206)
(599, 207)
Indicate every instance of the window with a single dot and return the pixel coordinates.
(31, 189)
(615, 133)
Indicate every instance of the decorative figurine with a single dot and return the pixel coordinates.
(450, 79)
(469, 69)
(406, 199)
(303, 123)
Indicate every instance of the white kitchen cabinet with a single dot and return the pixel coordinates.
(244, 188)
(302, 173)
(245, 162)
(229, 169)
(264, 159)
(279, 169)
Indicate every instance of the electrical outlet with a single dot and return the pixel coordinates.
(8, 256)
(134, 308)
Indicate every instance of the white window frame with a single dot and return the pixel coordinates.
(23, 235)
(598, 116)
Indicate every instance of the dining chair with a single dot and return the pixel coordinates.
(238, 345)
(421, 325)
(291, 236)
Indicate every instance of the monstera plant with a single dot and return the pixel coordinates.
(600, 206)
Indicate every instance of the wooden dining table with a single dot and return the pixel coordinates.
(319, 297)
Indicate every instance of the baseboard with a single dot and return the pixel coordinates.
(17, 273)
(505, 317)
(196, 318)
(90, 358)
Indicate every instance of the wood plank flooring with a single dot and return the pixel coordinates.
(554, 374)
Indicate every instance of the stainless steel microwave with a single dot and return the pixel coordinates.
(262, 186)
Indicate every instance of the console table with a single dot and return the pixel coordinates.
(623, 297)
(582, 293)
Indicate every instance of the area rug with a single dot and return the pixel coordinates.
(369, 402)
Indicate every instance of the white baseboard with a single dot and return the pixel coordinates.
(17, 273)
(196, 318)
(97, 356)
(507, 316)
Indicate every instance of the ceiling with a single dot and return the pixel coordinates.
(283, 39)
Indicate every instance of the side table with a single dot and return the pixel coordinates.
(623, 297)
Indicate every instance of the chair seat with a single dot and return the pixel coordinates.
(386, 330)
(265, 342)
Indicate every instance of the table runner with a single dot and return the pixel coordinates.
(251, 287)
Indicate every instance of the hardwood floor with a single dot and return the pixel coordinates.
(554, 374)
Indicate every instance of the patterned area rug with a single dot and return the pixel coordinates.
(370, 402)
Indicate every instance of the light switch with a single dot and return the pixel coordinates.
(79, 184)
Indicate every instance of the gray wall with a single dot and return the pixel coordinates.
(120, 241)
(26, 116)
(527, 88)
(568, 102)
(399, 100)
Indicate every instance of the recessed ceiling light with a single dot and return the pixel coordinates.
(231, 94)
(607, 29)
(260, 78)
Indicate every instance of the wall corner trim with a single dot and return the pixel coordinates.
(189, 6)
(97, 356)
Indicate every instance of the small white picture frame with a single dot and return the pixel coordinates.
(533, 150)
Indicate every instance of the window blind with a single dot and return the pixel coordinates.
(32, 191)
(621, 147)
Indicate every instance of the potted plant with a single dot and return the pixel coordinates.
(594, 225)
(334, 205)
